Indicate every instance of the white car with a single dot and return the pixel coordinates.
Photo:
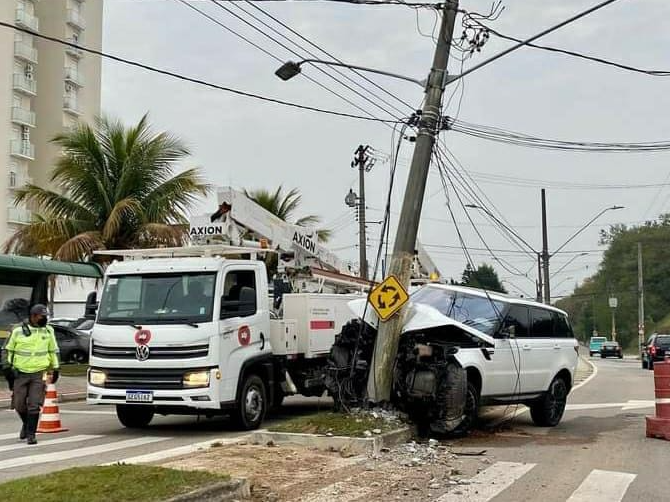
(511, 350)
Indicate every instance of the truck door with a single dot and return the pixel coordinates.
(244, 324)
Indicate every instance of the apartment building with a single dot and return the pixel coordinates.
(45, 88)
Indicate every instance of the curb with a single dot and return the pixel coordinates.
(594, 373)
(227, 490)
(62, 398)
(355, 446)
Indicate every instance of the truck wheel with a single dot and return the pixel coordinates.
(252, 403)
(548, 410)
(470, 412)
(134, 417)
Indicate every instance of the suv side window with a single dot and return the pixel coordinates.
(517, 321)
(541, 323)
(561, 326)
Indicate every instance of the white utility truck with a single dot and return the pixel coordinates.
(191, 331)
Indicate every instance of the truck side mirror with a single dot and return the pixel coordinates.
(91, 308)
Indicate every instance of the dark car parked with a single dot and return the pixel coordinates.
(655, 349)
(611, 349)
(72, 344)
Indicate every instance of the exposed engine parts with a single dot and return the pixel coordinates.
(429, 384)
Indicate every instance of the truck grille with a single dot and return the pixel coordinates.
(146, 379)
(179, 352)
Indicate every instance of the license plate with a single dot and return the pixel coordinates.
(139, 396)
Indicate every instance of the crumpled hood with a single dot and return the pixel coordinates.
(419, 316)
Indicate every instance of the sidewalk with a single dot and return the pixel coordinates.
(69, 389)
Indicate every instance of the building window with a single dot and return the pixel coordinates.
(25, 134)
(12, 179)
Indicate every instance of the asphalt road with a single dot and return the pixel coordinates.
(96, 437)
(598, 453)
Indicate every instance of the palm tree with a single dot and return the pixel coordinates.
(284, 206)
(115, 188)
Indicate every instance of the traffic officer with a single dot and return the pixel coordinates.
(29, 355)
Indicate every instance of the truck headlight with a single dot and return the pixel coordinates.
(196, 379)
(97, 377)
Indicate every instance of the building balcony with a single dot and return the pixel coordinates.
(22, 149)
(25, 20)
(25, 52)
(73, 51)
(23, 117)
(75, 19)
(16, 181)
(24, 85)
(70, 106)
(19, 216)
(73, 76)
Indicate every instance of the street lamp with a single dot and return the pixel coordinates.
(564, 280)
(568, 263)
(586, 225)
(291, 68)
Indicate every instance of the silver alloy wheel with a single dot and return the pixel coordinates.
(253, 404)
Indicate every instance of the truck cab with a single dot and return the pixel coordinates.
(172, 336)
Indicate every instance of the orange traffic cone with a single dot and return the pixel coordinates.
(50, 417)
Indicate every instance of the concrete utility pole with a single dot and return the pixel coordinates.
(364, 164)
(545, 250)
(538, 285)
(386, 345)
(640, 297)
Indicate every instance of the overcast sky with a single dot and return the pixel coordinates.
(247, 143)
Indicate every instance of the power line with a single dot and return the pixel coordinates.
(287, 48)
(194, 80)
(360, 74)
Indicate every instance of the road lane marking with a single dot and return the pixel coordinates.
(69, 439)
(46, 458)
(630, 405)
(603, 486)
(589, 378)
(179, 451)
(86, 412)
(489, 483)
(11, 435)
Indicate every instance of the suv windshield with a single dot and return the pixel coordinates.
(480, 312)
(157, 298)
(663, 341)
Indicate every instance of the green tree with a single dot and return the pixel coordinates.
(115, 188)
(284, 206)
(617, 276)
(484, 277)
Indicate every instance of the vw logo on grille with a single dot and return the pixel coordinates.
(142, 352)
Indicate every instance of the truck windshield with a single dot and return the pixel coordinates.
(480, 312)
(157, 298)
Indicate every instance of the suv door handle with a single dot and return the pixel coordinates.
(526, 346)
(557, 346)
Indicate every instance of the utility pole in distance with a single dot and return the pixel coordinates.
(364, 164)
(640, 297)
(545, 250)
(388, 335)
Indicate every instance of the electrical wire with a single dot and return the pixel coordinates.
(194, 80)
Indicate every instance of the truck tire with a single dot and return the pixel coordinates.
(548, 410)
(134, 416)
(252, 403)
(469, 413)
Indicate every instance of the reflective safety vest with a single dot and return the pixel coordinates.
(34, 353)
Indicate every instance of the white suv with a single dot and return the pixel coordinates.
(513, 350)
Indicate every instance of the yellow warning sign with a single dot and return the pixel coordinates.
(388, 297)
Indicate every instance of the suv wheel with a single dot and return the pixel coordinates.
(252, 403)
(644, 364)
(134, 416)
(470, 412)
(650, 365)
(548, 410)
(78, 357)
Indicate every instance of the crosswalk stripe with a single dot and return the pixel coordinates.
(603, 486)
(11, 435)
(489, 483)
(79, 452)
(69, 439)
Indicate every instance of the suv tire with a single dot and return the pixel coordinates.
(548, 410)
(650, 365)
(470, 412)
(645, 364)
(252, 403)
(134, 416)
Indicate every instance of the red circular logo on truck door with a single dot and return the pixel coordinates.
(142, 336)
(244, 335)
